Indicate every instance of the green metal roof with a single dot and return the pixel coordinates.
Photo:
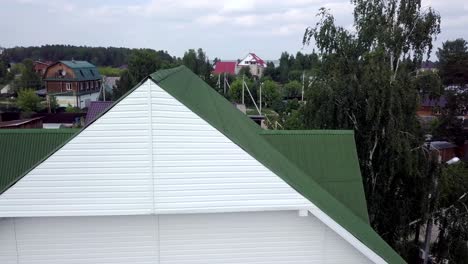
(77, 64)
(199, 97)
(329, 157)
(318, 178)
(22, 149)
(84, 71)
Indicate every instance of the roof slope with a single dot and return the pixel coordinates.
(22, 149)
(96, 108)
(199, 97)
(225, 67)
(83, 70)
(330, 158)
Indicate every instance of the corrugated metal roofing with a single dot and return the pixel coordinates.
(96, 108)
(23, 149)
(330, 158)
(225, 67)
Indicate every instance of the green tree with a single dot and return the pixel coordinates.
(429, 84)
(270, 93)
(293, 89)
(451, 214)
(365, 83)
(123, 85)
(284, 66)
(235, 92)
(198, 62)
(142, 63)
(28, 79)
(453, 62)
(28, 100)
(453, 69)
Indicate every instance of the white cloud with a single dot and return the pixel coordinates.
(181, 24)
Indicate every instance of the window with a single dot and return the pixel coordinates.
(92, 85)
(68, 86)
(81, 86)
(87, 85)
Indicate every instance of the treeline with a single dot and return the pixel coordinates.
(100, 56)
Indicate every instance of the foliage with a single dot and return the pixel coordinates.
(53, 104)
(293, 89)
(429, 84)
(364, 83)
(198, 62)
(235, 92)
(72, 109)
(451, 214)
(270, 93)
(453, 62)
(110, 71)
(28, 78)
(142, 63)
(123, 85)
(101, 56)
(245, 71)
(28, 100)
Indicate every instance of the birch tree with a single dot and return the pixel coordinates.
(365, 83)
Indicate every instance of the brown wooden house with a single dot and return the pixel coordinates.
(74, 83)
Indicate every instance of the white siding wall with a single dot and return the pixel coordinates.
(7, 241)
(247, 238)
(105, 170)
(148, 154)
(197, 168)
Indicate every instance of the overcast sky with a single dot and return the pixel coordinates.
(226, 29)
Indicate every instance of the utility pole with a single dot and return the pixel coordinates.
(303, 83)
(261, 85)
(243, 88)
(224, 83)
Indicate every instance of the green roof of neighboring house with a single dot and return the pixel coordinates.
(84, 71)
(323, 166)
(327, 156)
(22, 149)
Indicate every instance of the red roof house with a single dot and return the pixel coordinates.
(225, 67)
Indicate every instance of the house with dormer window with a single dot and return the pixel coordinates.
(74, 83)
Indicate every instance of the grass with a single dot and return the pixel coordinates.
(265, 111)
(109, 71)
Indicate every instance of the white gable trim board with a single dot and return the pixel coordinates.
(151, 155)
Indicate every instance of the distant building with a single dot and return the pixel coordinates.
(40, 67)
(74, 83)
(431, 107)
(428, 66)
(35, 122)
(61, 120)
(445, 150)
(256, 64)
